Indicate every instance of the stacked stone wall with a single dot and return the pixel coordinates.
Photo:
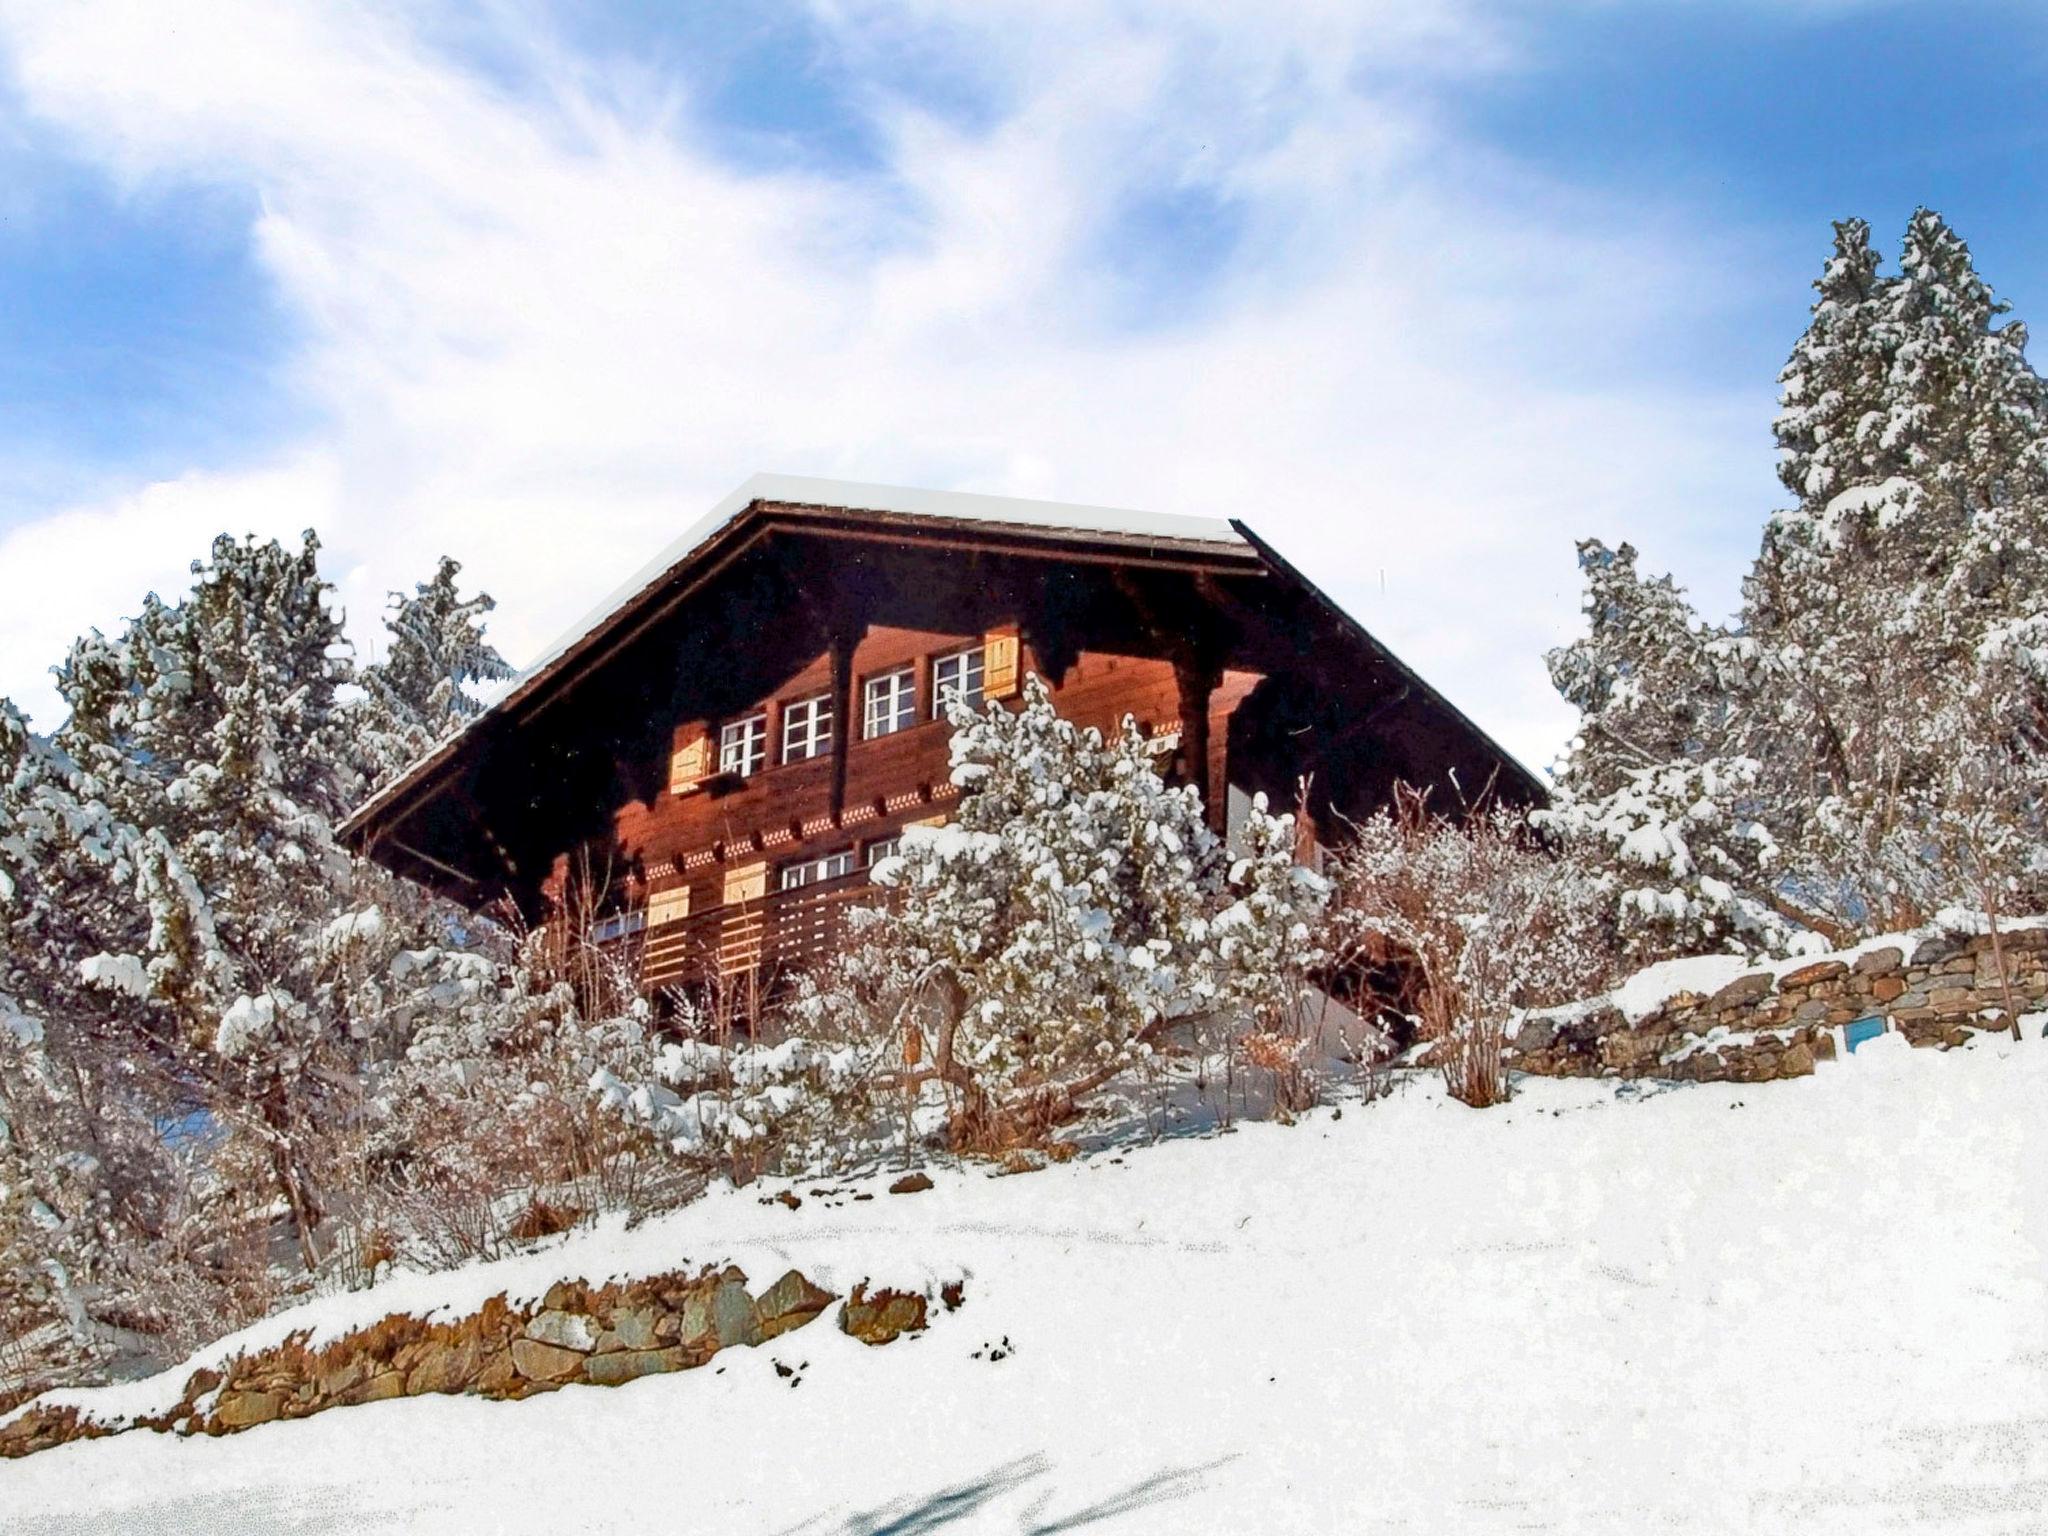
(596, 1335)
(1937, 989)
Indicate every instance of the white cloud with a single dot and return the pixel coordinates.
(88, 567)
(545, 331)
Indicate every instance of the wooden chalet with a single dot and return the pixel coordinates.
(734, 739)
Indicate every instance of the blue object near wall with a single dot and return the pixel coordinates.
(1856, 1031)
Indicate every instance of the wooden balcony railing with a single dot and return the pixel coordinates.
(769, 937)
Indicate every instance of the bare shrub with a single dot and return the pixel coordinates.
(1481, 919)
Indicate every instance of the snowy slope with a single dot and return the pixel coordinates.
(1817, 1305)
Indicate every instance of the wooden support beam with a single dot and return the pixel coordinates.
(1194, 763)
(844, 707)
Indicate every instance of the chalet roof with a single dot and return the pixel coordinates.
(1112, 525)
(1141, 535)
(1117, 524)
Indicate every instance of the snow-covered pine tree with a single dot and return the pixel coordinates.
(1076, 908)
(1831, 388)
(1913, 435)
(1650, 681)
(98, 1248)
(423, 687)
(270, 969)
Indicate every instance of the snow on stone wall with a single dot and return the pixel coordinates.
(577, 1333)
(1716, 1019)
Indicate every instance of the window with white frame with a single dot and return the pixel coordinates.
(828, 866)
(807, 728)
(743, 746)
(958, 675)
(880, 849)
(890, 702)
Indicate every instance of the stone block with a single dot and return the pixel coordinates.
(242, 1410)
(733, 1317)
(1814, 975)
(695, 1321)
(635, 1327)
(445, 1367)
(1879, 962)
(545, 1362)
(884, 1316)
(1743, 990)
(564, 1330)
(1886, 988)
(631, 1364)
(789, 1303)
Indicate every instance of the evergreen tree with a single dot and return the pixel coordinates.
(1650, 681)
(425, 685)
(1830, 390)
(1913, 435)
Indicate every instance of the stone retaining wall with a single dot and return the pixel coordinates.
(602, 1335)
(1935, 988)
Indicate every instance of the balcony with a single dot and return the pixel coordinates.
(757, 941)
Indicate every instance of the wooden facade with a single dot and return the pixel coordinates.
(734, 739)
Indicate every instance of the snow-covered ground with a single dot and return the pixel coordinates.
(1817, 1305)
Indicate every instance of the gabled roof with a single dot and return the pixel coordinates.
(769, 502)
(1113, 526)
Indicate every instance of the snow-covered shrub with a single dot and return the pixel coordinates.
(745, 1108)
(1270, 941)
(1070, 915)
(1485, 923)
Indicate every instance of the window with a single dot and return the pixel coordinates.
(884, 848)
(743, 746)
(807, 728)
(617, 926)
(828, 866)
(956, 675)
(891, 702)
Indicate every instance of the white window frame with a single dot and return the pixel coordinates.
(743, 745)
(815, 871)
(889, 703)
(971, 669)
(807, 728)
(881, 848)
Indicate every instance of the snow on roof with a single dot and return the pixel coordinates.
(1121, 523)
(854, 496)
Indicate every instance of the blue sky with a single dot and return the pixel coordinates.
(1427, 289)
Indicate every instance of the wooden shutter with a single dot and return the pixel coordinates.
(999, 663)
(746, 882)
(690, 765)
(665, 907)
